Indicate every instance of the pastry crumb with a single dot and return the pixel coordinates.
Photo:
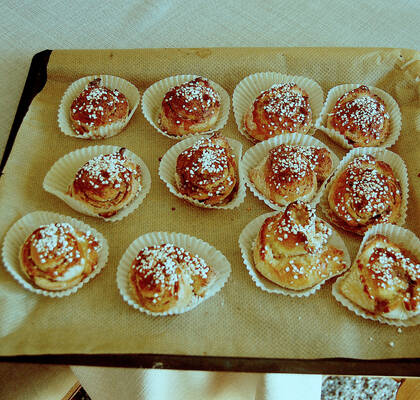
(399, 330)
(391, 344)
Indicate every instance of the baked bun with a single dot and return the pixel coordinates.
(192, 107)
(361, 117)
(57, 256)
(284, 108)
(207, 171)
(366, 193)
(292, 249)
(384, 280)
(165, 276)
(292, 172)
(107, 183)
(97, 106)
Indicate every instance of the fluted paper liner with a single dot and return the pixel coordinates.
(403, 238)
(336, 92)
(63, 172)
(393, 160)
(249, 88)
(152, 102)
(247, 240)
(208, 253)
(167, 169)
(256, 154)
(24, 227)
(111, 82)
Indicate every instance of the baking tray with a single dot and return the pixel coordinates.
(36, 80)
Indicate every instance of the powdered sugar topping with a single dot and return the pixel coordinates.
(107, 169)
(161, 265)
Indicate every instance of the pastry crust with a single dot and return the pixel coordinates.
(384, 280)
(192, 107)
(283, 108)
(107, 183)
(361, 117)
(292, 249)
(366, 193)
(163, 277)
(57, 256)
(97, 106)
(291, 172)
(207, 171)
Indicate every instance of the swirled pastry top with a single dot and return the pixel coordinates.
(57, 256)
(385, 280)
(361, 117)
(207, 171)
(166, 276)
(191, 107)
(364, 194)
(292, 172)
(97, 106)
(291, 249)
(107, 183)
(283, 108)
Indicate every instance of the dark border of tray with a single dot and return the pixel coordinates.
(37, 77)
(404, 367)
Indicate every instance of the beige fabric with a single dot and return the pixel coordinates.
(35, 382)
(241, 320)
(140, 384)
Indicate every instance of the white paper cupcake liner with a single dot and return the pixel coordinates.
(167, 168)
(393, 160)
(111, 82)
(20, 231)
(246, 243)
(336, 92)
(256, 154)
(62, 173)
(402, 237)
(249, 88)
(213, 257)
(154, 95)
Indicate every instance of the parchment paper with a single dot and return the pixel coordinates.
(241, 320)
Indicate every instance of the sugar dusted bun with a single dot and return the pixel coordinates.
(284, 108)
(384, 280)
(291, 172)
(165, 276)
(361, 117)
(207, 171)
(292, 249)
(107, 183)
(192, 107)
(364, 194)
(97, 106)
(57, 256)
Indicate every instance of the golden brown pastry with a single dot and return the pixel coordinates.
(292, 249)
(384, 280)
(107, 183)
(97, 106)
(361, 117)
(189, 108)
(284, 108)
(58, 256)
(364, 194)
(207, 171)
(292, 172)
(166, 276)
